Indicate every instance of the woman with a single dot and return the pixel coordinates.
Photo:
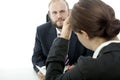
(96, 27)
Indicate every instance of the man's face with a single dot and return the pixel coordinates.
(58, 12)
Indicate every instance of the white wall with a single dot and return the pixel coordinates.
(18, 22)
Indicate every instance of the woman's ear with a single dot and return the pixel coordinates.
(85, 35)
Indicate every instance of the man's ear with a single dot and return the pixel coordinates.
(49, 13)
(70, 11)
(85, 34)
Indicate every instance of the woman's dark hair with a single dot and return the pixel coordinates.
(96, 18)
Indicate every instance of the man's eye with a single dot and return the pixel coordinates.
(62, 11)
(54, 12)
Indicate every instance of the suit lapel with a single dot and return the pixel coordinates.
(72, 45)
(51, 36)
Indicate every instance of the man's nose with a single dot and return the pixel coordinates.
(59, 15)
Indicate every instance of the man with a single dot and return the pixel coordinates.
(46, 33)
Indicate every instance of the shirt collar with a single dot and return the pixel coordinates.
(96, 53)
(58, 32)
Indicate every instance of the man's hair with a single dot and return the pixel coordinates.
(52, 1)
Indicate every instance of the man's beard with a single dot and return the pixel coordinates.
(55, 24)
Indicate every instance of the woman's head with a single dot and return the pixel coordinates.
(96, 18)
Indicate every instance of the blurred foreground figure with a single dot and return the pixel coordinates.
(96, 27)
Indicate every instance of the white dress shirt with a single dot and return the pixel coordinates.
(96, 53)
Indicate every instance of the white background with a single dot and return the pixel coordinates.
(18, 22)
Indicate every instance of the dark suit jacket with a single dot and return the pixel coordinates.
(105, 67)
(45, 35)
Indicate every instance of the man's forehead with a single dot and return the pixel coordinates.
(57, 10)
(57, 6)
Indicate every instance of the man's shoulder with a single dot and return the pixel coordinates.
(44, 26)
